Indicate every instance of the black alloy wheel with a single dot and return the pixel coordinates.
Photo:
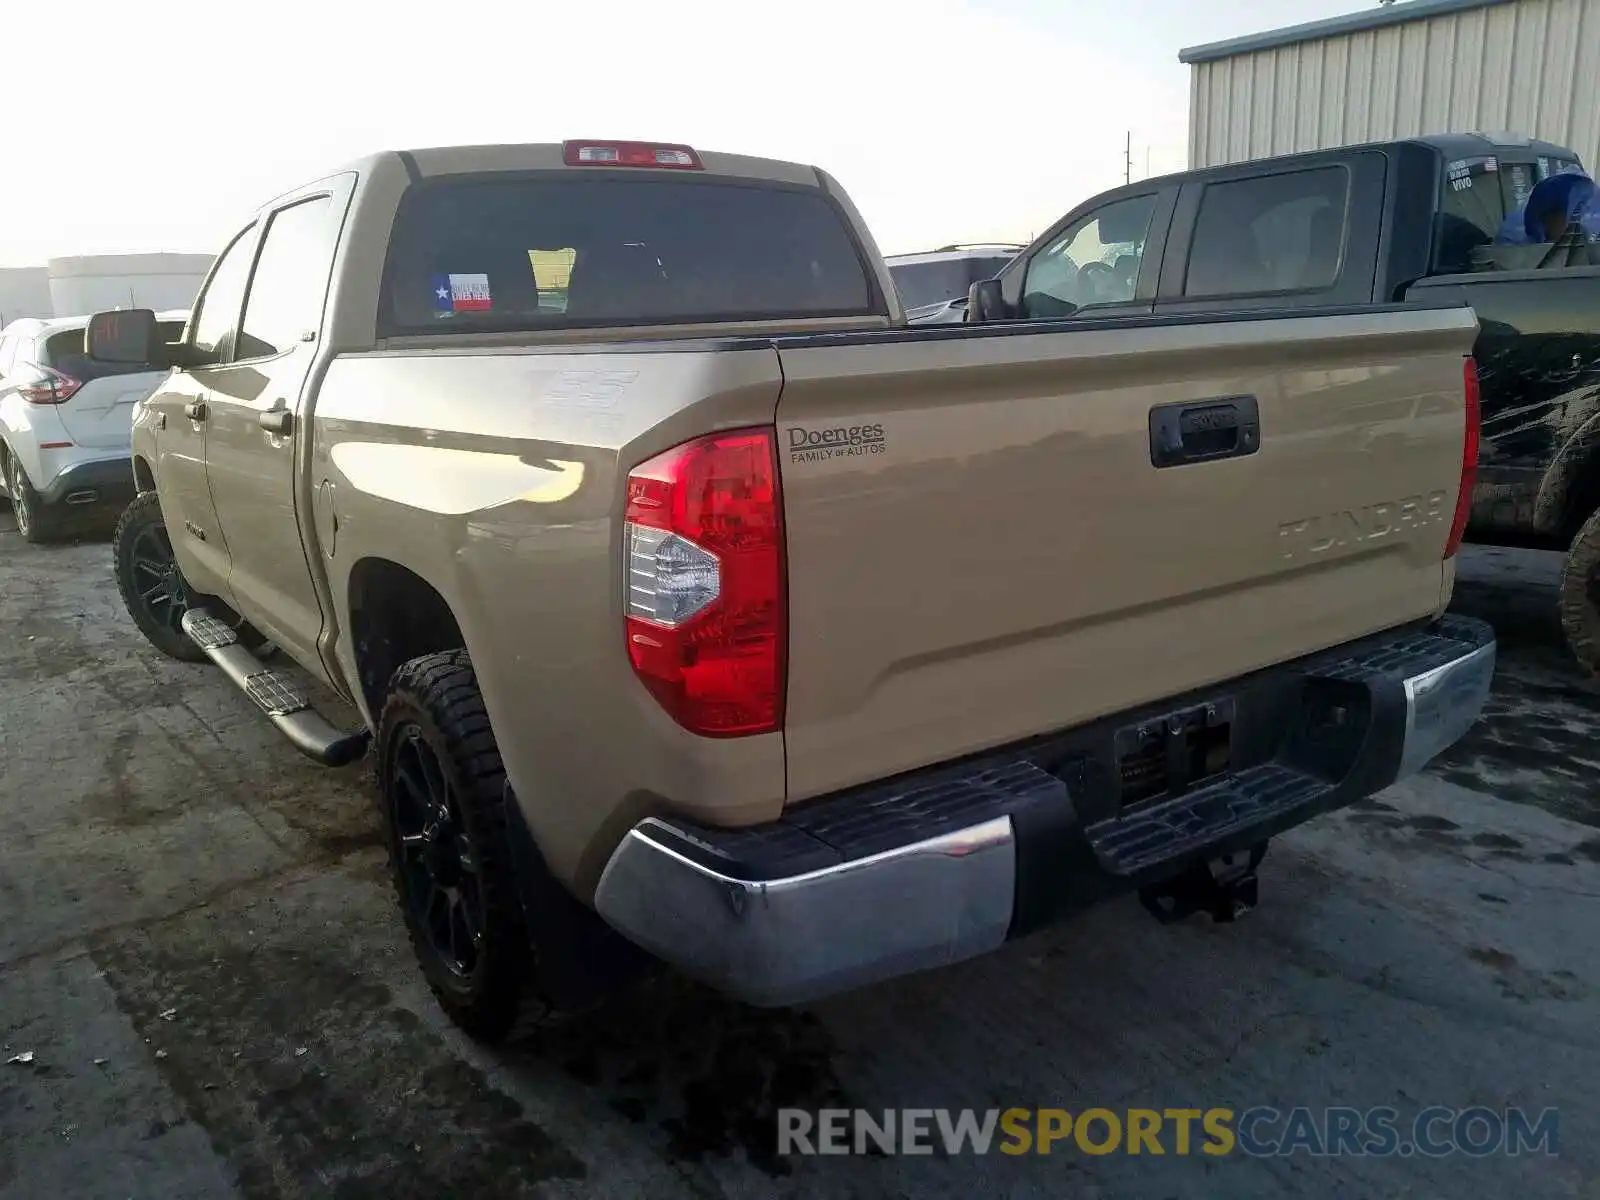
(438, 871)
(159, 588)
(153, 588)
(440, 791)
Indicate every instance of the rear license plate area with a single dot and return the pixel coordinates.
(1164, 756)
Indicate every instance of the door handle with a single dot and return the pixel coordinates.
(1201, 431)
(195, 410)
(279, 421)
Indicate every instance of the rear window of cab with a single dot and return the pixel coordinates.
(481, 255)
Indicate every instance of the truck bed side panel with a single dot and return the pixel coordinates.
(497, 478)
(991, 553)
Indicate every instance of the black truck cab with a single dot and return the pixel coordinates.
(1402, 221)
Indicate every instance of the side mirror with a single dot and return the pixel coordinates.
(128, 335)
(986, 303)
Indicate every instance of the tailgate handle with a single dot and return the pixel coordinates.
(1200, 431)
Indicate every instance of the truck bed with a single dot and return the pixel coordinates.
(990, 555)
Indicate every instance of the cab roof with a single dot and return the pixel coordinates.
(1510, 146)
(430, 161)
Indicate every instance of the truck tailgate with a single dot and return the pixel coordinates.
(981, 547)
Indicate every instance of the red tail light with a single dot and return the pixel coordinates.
(707, 621)
(630, 154)
(1469, 460)
(51, 387)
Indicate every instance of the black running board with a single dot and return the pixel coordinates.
(275, 693)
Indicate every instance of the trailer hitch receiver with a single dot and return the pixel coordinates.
(1225, 888)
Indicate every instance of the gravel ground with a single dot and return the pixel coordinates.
(202, 957)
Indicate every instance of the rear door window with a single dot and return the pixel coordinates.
(1517, 181)
(1475, 201)
(216, 312)
(536, 252)
(64, 351)
(287, 288)
(1272, 233)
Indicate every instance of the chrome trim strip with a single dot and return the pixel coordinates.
(1442, 704)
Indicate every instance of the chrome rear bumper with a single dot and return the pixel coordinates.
(817, 904)
(781, 941)
(1442, 704)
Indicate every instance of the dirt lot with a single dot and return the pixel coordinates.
(200, 952)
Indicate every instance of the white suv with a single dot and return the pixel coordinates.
(65, 421)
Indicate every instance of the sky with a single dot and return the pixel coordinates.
(162, 127)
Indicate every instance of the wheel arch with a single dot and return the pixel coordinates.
(395, 615)
(144, 477)
(1570, 490)
(1582, 497)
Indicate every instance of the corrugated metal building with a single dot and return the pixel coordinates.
(1398, 70)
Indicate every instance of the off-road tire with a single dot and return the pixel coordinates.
(37, 521)
(143, 514)
(437, 696)
(1580, 595)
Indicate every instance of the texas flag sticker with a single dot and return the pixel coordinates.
(461, 293)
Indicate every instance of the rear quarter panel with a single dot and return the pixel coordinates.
(23, 427)
(498, 478)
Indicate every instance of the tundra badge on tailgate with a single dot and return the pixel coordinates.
(1358, 526)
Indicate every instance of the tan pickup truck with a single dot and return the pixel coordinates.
(694, 605)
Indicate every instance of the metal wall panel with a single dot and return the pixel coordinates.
(1528, 66)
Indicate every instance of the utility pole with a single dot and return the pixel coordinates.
(1127, 154)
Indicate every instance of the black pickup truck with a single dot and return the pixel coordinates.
(1399, 221)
